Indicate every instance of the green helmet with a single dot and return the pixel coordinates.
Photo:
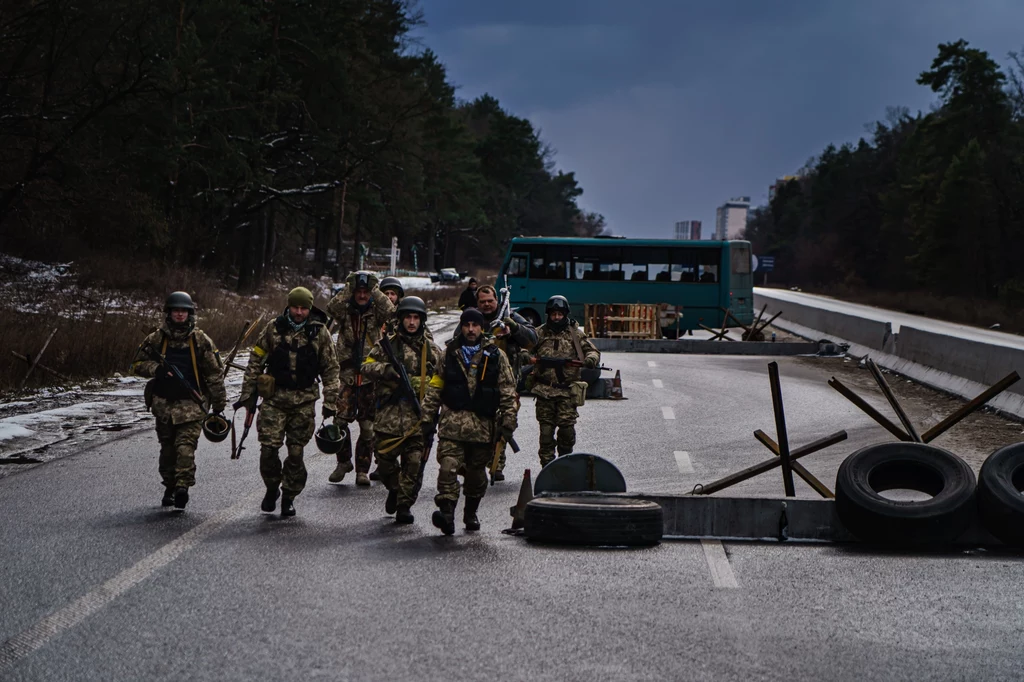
(392, 283)
(412, 304)
(329, 438)
(216, 428)
(560, 303)
(179, 299)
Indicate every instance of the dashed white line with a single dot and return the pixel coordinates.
(658, 383)
(718, 563)
(651, 363)
(683, 462)
(27, 641)
(667, 413)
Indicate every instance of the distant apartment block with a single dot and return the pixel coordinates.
(731, 218)
(688, 229)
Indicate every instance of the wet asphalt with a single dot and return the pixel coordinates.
(100, 583)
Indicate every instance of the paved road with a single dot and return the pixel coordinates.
(101, 584)
(896, 318)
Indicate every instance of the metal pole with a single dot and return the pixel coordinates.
(798, 468)
(947, 423)
(868, 410)
(891, 397)
(780, 428)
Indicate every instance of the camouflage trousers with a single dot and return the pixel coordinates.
(459, 458)
(555, 413)
(399, 469)
(501, 457)
(178, 452)
(357, 406)
(274, 424)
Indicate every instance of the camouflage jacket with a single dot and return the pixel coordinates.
(358, 332)
(549, 382)
(395, 413)
(279, 352)
(523, 338)
(466, 424)
(210, 369)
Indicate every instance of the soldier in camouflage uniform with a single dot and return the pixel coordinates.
(179, 419)
(291, 354)
(476, 394)
(559, 354)
(513, 334)
(392, 288)
(361, 309)
(397, 430)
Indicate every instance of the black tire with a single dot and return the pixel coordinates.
(580, 519)
(914, 466)
(1000, 502)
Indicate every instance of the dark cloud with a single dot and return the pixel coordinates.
(666, 108)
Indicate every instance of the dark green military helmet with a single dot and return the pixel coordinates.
(216, 428)
(392, 283)
(560, 303)
(329, 438)
(412, 304)
(179, 299)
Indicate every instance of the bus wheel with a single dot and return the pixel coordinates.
(531, 315)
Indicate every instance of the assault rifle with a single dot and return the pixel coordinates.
(552, 363)
(405, 384)
(250, 413)
(176, 374)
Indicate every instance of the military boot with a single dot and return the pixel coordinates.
(344, 462)
(469, 513)
(444, 517)
(362, 478)
(180, 497)
(374, 475)
(168, 498)
(270, 499)
(403, 515)
(287, 507)
(391, 504)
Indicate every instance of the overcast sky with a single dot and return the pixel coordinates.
(666, 108)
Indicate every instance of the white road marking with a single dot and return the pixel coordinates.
(683, 462)
(718, 562)
(651, 363)
(667, 413)
(658, 383)
(27, 641)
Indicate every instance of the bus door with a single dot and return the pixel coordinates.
(741, 282)
(518, 273)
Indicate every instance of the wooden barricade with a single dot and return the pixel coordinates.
(622, 321)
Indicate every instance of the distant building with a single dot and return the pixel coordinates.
(731, 218)
(688, 229)
(779, 182)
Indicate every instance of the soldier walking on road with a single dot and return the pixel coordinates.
(476, 394)
(513, 334)
(400, 443)
(361, 310)
(562, 349)
(187, 376)
(291, 354)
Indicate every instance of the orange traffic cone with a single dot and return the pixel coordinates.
(525, 495)
(616, 392)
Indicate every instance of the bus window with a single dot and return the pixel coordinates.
(740, 259)
(537, 266)
(684, 265)
(708, 260)
(554, 265)
(659, 272)
(517, 266)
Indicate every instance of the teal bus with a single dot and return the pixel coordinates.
(694, 281)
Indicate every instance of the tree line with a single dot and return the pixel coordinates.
(241, 135)
(931, 202)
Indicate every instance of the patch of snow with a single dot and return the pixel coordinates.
(12, 431)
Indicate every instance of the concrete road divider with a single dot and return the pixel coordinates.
(868, 333)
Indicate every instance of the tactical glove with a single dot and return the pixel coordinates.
(391, 374)
(328, 412)
(512, 325)
(507, 433)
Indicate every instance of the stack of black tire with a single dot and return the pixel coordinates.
(957, 497)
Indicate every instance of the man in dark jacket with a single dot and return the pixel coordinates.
(468, 297)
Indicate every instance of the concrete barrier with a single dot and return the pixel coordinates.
(868, 333)
(769, 519)
(705, 347)
(983, 363)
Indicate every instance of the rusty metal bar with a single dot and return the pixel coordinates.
(964, 410)
(801, 471)
(891, 397)
(40, 365)
(35, 360)
(769, 464)
(717, 334)
(765, 325)
(728, 314)
(868, 409)
(780, 428)
(764, 308)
